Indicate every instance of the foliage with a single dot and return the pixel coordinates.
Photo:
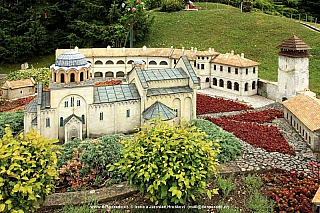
(207, 104)
(247, 6)
(225, 185)
(252, 183)
(83, 163)
(230, 146)
(14, 119)
(151, 4)
(290, 190)
(264, 136)
(10, 105)
(84, 208)
(314, 168)
(38, 74)
(171, 163)
(27, 170)
(260, 203)
(171, 5)
(223, 208)
(258, 117)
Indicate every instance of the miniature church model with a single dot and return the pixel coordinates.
(293, 70)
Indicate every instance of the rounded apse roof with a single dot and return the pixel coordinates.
(71, 59)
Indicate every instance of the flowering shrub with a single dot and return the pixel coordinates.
(266, 137)
(258, 117)
(108, 83)
(315, 170)
(207, 104)
(291, 191)
(9, 105)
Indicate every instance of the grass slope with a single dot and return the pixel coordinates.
(226, 29)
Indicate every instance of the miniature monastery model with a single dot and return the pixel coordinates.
(229, 72)
(17, 89)
(75, 108)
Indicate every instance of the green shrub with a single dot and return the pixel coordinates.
(171, 5)
(225, 208)
(172, 163)
(225, 185)
(14, 119)
(83, 163)
(260, 203)
(151, 4)
(28, 170)
(252, 183)
(230, 146)
(38, 74)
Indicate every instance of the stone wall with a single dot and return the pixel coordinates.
(267, 89)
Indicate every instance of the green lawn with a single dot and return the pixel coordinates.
(226, 29)
(36, 62)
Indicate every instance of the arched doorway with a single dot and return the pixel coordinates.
(72, 78)
(62, 80)
(73, 134)
(81, 76)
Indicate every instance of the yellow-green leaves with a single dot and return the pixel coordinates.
(22, 159)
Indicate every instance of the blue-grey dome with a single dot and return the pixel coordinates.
(71, 59)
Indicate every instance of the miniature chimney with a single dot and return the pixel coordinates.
(108, 47)
(76, 49)
(171, 47)
(227, 55)
(210, 50)
(195, 49)
(144, 48)
(123, 49)
(182, 49)
(191, 48)
(242, 55)
(232, 52)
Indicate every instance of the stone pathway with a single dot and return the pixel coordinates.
(255, 159)
(255, 101)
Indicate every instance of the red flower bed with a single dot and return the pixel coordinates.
(259, 117)
(266, 137)
(207, 104)
(291, 191)
(9, 105)
(108, 83)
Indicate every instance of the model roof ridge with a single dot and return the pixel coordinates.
(294, 43)
(234, 59)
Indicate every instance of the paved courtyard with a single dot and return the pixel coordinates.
(255, 101)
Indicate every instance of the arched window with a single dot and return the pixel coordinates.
(207, 80)
(152, 63)
(253, 85)
(98, 62)
(163, 63)
(101, 116)
(229, 85)
(130, 62)
(109, 62)
(72, 77)
(236, 86)
(214, 82)
(61, 121)
(98, 74)
(54, 77)
(66, 104)
(120, 74)
(221, 83)
(109, 74)
(87, 74)
(61, 78)
(78, 102)
(81, 76)
(246, 87)
(47, 122)
(120, 62)
(83, 119)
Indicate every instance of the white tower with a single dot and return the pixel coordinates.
(293, 70)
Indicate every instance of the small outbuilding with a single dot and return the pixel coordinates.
(17, 89)
(303, 113)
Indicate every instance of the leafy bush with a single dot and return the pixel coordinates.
(83, 163)
(260, 203)
(14, 119)
(171, 5)
(38, 74)
(151, 4)
(172, 163)
(225, 185)
(230, 146)
(252, 183)
(28, 170)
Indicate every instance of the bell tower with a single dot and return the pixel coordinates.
(293, 68)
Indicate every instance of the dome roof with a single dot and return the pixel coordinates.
(71, 59)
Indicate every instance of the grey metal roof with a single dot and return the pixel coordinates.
(121, 92)
(160, 74)
(45, 100)
(32, 106)
(168, 90)
(190, 69)
(158, 110)
(71, 59)
(69, 118)
(34, 121)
